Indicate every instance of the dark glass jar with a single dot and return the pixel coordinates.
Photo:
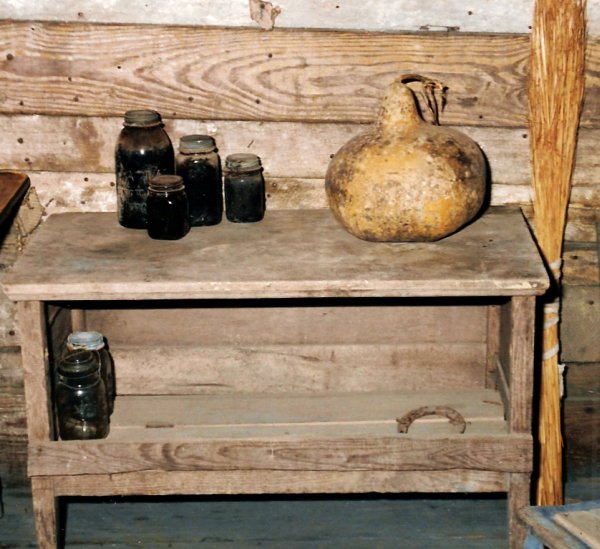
(94, 341)
(167, 208)
(200, 167)
(244, 188)
(143, 150)
(81, 404)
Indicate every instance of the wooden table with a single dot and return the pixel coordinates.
(13, 187)
(276, 358)
(573, 526)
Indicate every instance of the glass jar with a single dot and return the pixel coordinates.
(167, 208)
(94, 341)
(200, 167)
(244, 188)
(80, 397)
(143, 150)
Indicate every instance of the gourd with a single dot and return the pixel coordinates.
(406, 179)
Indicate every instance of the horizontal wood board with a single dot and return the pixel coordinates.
(507, 453)
(289, 254)
(279, 482)
(246, 74)
(378, 409)
(297, 150)
(247, 368)
(343, 432)
(509, 16)
(297, 346)
(298, 322)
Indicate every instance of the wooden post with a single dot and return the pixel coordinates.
(45, 511)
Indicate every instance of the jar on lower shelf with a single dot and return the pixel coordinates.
(94, 341)
(80, 397)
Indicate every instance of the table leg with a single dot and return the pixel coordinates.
(45, 511)
(519, 496)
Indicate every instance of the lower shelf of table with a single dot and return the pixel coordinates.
(266, 437)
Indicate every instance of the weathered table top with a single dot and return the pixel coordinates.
(293, 253)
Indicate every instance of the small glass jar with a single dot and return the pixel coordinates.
(200, 167)
(94, 341)
(244, 188)
(143, 150)
(167, 208)
(80, 397)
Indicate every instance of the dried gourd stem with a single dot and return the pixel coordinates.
(430, 86)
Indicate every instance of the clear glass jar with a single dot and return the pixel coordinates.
(167, 208)
(80, 397)
(200, 167)
(94, 341)
(143, 150)
(244, 188)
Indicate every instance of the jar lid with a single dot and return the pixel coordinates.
(93, 341)
(197, 143)
(242, 162)
(164, 183)
(142, 117)
(78, 363)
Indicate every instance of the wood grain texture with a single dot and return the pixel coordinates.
(289, 254)
(541, 521)
(34, 352)
(511, 16)
(248, 416)
(343, 432)
(580, 266)
(579, 324)
(492, 345)
(309, 368)
(518, 498)
(582, 436)
(62, 192)
(279, 482)
(287, 149)
(13, 437)
(295, 322)
(45, 512)
(493, 453)
(245, 74)
(522, 315)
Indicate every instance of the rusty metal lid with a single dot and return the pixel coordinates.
(142, 118)
(166, 183)
(242, 162)
(197, 143)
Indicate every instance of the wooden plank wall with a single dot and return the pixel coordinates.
(293, 95)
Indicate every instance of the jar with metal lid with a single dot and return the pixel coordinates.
(94, 341)
(244, 188)
(167, 208)
(143, 150)
(80, 397)
(199, 165)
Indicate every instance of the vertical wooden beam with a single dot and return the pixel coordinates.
(519, 496)
(520, 373)
(522, 317)
(492, 345)
(45, 511)
(34, 353)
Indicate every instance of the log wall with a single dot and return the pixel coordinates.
(293, 95)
